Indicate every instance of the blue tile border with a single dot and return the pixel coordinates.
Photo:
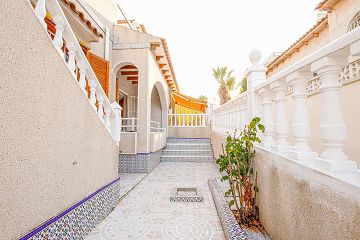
(139, 163)
(231, 228)
(95, 210)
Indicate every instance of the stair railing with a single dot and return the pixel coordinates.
(76, 61)
(188, 120)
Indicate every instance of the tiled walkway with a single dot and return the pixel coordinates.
(147, 213)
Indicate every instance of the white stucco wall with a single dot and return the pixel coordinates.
(128, 143)
(340, 17)
(149, 76)
(189, 132)
(296, 202)
(54, 149)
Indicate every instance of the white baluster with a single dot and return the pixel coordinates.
(40, 11)
(332, 127)
(243, 113)
(71, 62)
(133, 124)
(281, 122)
(300, 123)
(82, 80)
(183, 120)
(117, 122)
(58, 38)
(267, 96)
(93, 87)
(100, 99)
(192, 121)
(107, 117)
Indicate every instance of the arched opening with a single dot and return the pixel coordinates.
(127, 79)
(158, 108)
(158, 117)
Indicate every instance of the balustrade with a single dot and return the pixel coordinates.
(270, 101)
(188, 120)
(71, 53)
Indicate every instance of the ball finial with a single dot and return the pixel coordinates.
(255, 56)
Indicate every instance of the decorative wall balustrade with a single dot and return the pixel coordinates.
(231, 116)
(188, 120)
(324, 71)
(71, 53)
(129, 124)
(349, 74)
(156, 127)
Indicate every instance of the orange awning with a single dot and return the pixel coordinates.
(189, 102)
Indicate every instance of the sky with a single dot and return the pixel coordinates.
(204, 34)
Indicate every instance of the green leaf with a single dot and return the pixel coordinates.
(224, 178)
(228, 192)
(231, 202)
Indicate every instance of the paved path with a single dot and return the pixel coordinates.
(147, 213)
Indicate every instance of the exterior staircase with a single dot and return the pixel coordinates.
(188, 150)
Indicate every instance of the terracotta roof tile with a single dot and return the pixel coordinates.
(82, 17)
(164, 43)
(276, 60)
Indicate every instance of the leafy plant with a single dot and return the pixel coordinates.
(237, 161)
(226, 81)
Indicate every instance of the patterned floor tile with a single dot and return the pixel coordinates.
(147, 213)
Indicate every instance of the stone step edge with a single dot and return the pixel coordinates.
(186, 156)
(187, 150)
(192, 143)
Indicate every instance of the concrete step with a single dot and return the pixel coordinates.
(187, 152)
(188, 146)
(168, 158)
(188, 140)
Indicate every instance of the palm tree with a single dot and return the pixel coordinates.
(203, 98)
(226, 82)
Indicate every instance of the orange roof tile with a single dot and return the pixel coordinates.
(305, 37)
(82, 17)
(164, 43)
(325, 4)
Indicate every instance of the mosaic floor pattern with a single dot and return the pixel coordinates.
(147, 213)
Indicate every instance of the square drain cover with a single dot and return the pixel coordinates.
(186, 195)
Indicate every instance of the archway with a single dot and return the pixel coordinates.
(158, 107)
(127, 79)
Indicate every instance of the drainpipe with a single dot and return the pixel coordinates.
(107, 44)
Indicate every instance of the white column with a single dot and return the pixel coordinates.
(107, 111)
(267, 96)
(92, 99)
(82, 73)
(300, 120)
(332, 126)
(100, 99)
(243, 112)
(116, 125)
(71, 62)
(58, 38)
(107, 44)
(281, 121)
(40, 11)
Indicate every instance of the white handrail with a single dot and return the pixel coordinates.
(132, 126)
(188, 120)
(77, 59)
(157, 128)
